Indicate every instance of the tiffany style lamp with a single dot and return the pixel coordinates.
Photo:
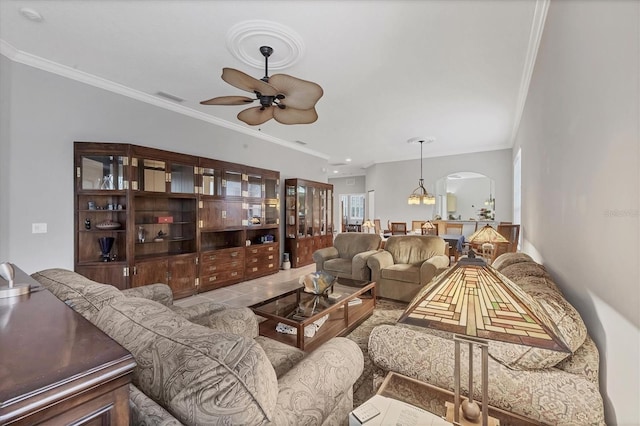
(478, 304)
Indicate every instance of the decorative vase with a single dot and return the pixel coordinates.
(106, 243)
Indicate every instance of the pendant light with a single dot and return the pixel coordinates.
(420, 195)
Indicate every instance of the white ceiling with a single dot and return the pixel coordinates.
(456, 71)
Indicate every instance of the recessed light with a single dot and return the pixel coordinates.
(335, 171)
(31, 14)
(348, 160)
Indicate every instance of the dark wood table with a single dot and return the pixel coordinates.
(286, 308)
(56, 367)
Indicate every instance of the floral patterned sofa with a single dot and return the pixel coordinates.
(206, 365)
(548, 387)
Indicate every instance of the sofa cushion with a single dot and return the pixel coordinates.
(338, 266)
(402, 272)
(83, 295)
(568, 324)
(414, 249)
(349, 244)
(507, 259)
(199, 375)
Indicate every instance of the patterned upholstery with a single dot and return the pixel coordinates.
(543, 386)
(189, 373)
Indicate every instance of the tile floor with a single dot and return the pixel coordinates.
(250, 292)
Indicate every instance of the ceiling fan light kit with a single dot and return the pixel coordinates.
(287, 99)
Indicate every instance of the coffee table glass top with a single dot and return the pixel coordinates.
(299, 306)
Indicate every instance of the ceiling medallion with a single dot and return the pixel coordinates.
(244, 38)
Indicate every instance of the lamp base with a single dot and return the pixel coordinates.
(492, 421)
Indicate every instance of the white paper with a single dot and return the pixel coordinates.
(398, 413)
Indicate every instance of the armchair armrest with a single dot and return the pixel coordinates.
(159, 292)
(222, 318)
(359, 268)
(314, 386)
(324, 254)
(433, 267)
(379, 261)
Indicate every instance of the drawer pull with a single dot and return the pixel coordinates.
(212, 258)
(234, 254)
(271, 265)
(254, 269)
(270, 257)
(233, 274)
(213, 278)
(254, 251)
(213, 268)
(270, 249)
(254, 260)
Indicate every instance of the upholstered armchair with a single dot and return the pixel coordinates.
(407, 263)
(348, 256)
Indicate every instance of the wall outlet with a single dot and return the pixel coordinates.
(38, 228)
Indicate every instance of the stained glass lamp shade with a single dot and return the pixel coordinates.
(486, 234)
(477, 303)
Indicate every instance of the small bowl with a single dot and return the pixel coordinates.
(108, 225)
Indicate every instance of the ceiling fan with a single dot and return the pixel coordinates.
(287, 99)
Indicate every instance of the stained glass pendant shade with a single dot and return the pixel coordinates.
(474, 299)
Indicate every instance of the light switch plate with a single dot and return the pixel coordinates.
(38, 228)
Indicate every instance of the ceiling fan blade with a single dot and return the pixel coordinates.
(295, 116)
(245, 82)
(256, 115)
(299, 94)
(228, 100)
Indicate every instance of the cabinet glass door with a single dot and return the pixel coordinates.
(152, 175)
(316, 211)
(309, 211)
(290, 212)
(211, 181)
(271, 188)
(103, 172)
(182, 179)
(271, 213)
(232, 184)
(254, 186)
(323, 212)
(302, 211)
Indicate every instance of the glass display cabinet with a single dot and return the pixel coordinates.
(309, 219)
(101, 212)
(146, 215)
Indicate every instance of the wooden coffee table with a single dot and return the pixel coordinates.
(294, 308)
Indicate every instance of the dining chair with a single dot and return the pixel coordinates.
(487, 253)
(376, 226)
(416, 226)
(398, 228)
(453, 228)
(512, 233)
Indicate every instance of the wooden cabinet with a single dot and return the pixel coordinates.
(261, 260)
(221, 267)
(57, 368)
(308, 219)
(160, 211)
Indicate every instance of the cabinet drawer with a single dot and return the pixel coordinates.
(261, 249)
(261, 268)
(224, 256)
(221, 277)
(213, 267)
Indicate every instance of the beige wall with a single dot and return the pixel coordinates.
(580, 158)
(47, 112)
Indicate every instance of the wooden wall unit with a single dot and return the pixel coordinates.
(309, 219)
(183, 220)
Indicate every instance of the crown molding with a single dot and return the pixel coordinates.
(34, 61)
(535, 35)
